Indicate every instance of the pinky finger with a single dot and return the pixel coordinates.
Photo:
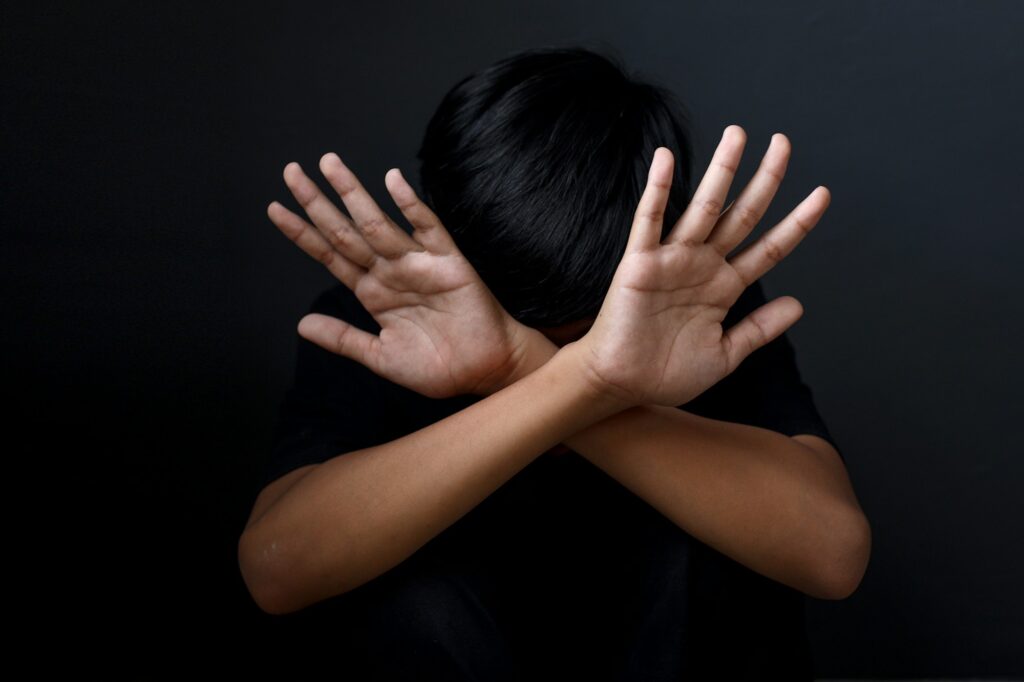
(759, 328)
(762, 255)
(341, 338)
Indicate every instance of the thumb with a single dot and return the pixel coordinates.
(760, 327)
(341, 338)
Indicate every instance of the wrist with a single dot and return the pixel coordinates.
(571, 360)
(533, 351)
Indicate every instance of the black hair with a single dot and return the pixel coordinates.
(536, 164)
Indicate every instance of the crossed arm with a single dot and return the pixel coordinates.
(783, 506)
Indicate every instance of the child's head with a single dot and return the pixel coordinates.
(536, 164)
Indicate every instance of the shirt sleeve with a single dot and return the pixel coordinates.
(335, 404)
(766, 390)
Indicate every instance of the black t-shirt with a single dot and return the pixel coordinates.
(562, 516)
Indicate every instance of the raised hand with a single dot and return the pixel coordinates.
(442, 331)
(658, 337)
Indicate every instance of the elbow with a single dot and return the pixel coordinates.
(845, 564)
(265, 570)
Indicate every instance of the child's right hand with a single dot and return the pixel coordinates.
(443, 333)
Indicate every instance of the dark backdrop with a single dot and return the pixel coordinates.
(151, 305)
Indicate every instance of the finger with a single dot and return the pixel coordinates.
(645, 234)
(427, 227)
(341, 338)
(310, 240)
(777, 243)
(705, 208)
(759, 328)
(386, 238)
(332, 223)
(737, 221)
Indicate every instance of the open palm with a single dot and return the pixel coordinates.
(442, 331)
(658, 338)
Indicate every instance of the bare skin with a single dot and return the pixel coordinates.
(782, 506)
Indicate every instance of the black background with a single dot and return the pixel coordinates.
(151, 305)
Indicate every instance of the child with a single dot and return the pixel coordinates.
(553, 431)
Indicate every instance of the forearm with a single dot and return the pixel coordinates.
(357, 515)
(759, 497)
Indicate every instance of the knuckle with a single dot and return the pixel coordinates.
(711, 207)
(774, 172)
(373, 226)
(747, 216)
(291, 230)
(336, 236)
(305, 194)
(343, 184)
(326, 257)
(756, 336)
(653, 215)
(409, 203)
(340, 237)
(774, 252)
(729, 168)
(802, 223)
(340, 338)
(419, 216)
